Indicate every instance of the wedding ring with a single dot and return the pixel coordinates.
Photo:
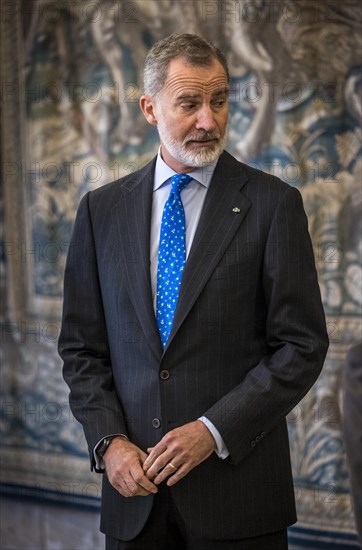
(172, 466)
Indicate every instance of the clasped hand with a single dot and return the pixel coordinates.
(133, 472)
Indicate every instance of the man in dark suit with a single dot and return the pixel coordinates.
(183, 400)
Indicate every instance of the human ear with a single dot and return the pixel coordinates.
(147, 105)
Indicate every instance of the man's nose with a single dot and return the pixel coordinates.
(205, 119)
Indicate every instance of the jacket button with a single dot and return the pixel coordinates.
(164, 374)
(156, 422)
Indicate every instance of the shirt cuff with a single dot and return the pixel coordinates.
(99, 462)
(221, 449)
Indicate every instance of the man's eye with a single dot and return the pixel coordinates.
(219, 103)
(188, 106)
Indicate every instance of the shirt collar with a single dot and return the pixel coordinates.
(163, 173)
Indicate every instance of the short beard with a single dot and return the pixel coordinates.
(180, 151)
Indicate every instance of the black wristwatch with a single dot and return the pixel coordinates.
(103, 446)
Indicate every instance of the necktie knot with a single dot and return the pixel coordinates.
(178, 182)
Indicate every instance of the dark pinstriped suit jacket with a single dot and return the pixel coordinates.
(248, 341)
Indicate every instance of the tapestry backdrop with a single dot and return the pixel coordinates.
(71, 80)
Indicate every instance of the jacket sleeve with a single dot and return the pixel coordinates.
(83, 342)
(296, 336)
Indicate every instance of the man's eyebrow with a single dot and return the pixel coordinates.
(189, 95)
(221, 91)
(197, 95)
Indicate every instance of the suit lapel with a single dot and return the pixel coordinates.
(224, 209)
(133, 215)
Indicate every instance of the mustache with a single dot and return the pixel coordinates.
(204, 136)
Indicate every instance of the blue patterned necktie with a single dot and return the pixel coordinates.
(171, 256)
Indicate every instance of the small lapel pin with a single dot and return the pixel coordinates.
(236, 210)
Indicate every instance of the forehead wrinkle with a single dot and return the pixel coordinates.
(198, 85)
(196, 95)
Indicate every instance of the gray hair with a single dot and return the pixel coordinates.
(196, 51)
